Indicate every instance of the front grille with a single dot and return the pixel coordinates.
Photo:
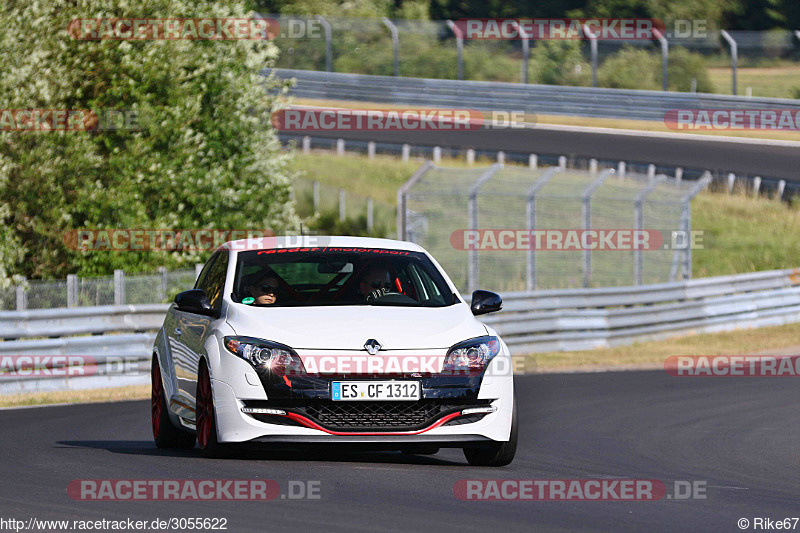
(397, 416)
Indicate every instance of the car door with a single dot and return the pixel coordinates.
(183, 359)
(195, 329)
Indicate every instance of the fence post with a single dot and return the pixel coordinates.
(470, 156)
(734, 56)
(370, 214)
(459, 47)
(328, 43)
(501, 157)
(473, 268)
(437, 154)
(638, 226)
(526, 51)
(678, 175)
(756, 185)
(72, 290)
(593, 44)
(315, 188)
(562, 162)
(119, 287)
(664, 59)
(530, 215)
(22, 296)
(533, 161)
(731, 182)
(686, 226)
(162, 286)
(342, 210)
(651, 172)
(371, 149)
(593, 167)
(339, 146)
(395, 44)
(306, 144)
(781, 188)
(406, 153)
(401, 198)
(586, 215)
(621, 169)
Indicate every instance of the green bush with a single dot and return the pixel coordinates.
(637, 68)
(630, 68)
(683, 67)
(205, 154)
(559, 63)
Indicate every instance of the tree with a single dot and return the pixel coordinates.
(205, 154)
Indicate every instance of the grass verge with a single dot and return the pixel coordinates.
(761, 341)
(774, 82)
(115, 394)
(734, 239)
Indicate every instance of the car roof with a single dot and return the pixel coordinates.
(319, 241)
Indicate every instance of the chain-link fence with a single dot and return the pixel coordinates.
(118, 289)
(698, 59)
(313, 197)
(515, 228)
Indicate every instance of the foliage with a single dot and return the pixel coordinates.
(638, 68)
(205, 154)
(560, 63)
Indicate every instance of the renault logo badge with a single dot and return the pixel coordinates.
(372, 347)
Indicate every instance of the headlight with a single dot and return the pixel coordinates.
(471, 356)
(267, 355)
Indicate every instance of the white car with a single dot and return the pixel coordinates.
(332, 339)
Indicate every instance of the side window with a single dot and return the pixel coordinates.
(199, 284)
(213, 281)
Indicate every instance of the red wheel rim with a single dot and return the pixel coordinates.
(155, 398)
(205, 409)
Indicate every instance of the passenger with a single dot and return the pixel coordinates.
(265, 290)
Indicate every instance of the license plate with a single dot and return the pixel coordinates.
(376, 390)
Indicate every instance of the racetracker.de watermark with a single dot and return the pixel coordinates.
(392, 364)
(732, 119)
(170, 240)
(190, 489)
(32, 366)
(574, 239)
(333, 119)
(577, 490)
(732, 366)
(193, 29)
(51, 120)
(643, 29)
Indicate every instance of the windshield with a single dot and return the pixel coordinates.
(338, 276)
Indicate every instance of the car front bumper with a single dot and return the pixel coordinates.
(302, 424)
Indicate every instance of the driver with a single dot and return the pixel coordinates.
(375, 283)
(264, 291)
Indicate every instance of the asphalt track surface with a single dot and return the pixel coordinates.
(739, 435)
(754, 159)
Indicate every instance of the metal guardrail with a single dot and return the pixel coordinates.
(80, 321)
(567, 320)
(499, 96)
(551, 320)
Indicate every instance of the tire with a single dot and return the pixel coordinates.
(165, 434)
(498, 453)
(206, 422)
(420, 450)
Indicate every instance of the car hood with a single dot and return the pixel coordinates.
(349, 327)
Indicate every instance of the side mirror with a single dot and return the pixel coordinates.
(485, 302)
(195, 301)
